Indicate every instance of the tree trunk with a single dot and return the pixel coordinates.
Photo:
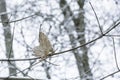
(7, 35)
(82, 59)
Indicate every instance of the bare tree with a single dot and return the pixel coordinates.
(7, 35)
(82, 59)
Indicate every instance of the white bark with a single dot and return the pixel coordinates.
(82, 60)
(7, 35)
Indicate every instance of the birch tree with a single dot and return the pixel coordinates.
(82, 59)
(7, 35)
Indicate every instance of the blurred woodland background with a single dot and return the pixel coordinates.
(85, 35)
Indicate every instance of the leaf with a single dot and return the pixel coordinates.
(44, 48)
(45, 43)
(38, 51)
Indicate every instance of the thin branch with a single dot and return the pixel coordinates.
(20, 72)
(104, 34)
(19, 19)
(110, 74)
(53, 53)
(96, 18)
(28, 67)
(113, 35)
(111, 28)
(115, 54)
(37, 13)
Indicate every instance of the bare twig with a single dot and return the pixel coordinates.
(36, 13)
(113, 35)
(28, 67)
(96, 18)
(107, 31)
(20, 72)
(112, 27)
(110, 74)
(115, 54)
(19, 19)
